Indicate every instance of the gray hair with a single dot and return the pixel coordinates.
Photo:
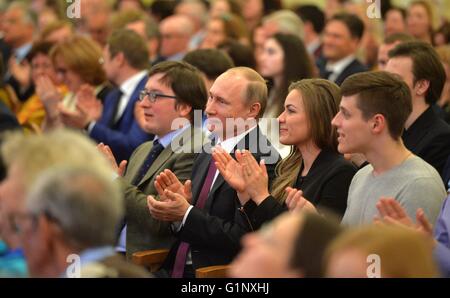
(84, 204)
(28, 15)
(287, 21)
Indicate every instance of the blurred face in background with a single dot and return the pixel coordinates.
(215, 34)
(418, 21)
(338, 42)
(41, 65)
(394, 22)
(70, 78)
(272, 59)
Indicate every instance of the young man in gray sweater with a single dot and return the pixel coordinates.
(373, 111)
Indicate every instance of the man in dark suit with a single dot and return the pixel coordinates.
(125, 60)
(426, 134)
(209, 221)
(343, 33)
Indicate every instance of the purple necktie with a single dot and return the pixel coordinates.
(183, 248)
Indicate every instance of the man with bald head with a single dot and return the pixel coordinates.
(176, 32)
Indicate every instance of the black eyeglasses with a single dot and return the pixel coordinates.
(152, 95)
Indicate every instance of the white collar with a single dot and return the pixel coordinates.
(130, 84)
(339, 66)
(229, 144)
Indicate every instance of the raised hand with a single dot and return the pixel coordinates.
(88, 103)
(296, 202)
(255, 177)
(172, 209)
(391, 212)
(167, 180)
(229, 168)
(48, 94)
(20, 71)
(106, 151)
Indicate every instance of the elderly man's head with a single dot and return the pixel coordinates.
(26, 157)
(68, 210)
(176, 32)
(18, 25)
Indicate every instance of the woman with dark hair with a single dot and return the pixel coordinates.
(314, 165)
(283, 61)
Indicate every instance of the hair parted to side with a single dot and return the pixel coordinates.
(426, 66)
(131, 45)
(382, 93)
(321, 102)
(82, 55)
(185, 81)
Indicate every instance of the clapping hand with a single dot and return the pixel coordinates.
(106, 151)
(296, 202)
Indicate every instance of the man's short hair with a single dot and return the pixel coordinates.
(382, 93)
(256, 88)
(211, 62)
(312, 14)
(131, 45)
(354, 24)
(185, 81)
(401, 37)
(426, 65)
(85, 205)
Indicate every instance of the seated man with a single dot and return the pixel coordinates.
(425, 134)
(173, 92)
(209, 221)
(373, 111)
(75, 211)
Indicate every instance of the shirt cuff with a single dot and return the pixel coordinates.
(178, 225)
(91, 126)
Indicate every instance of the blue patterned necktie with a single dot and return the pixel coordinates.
(151, 157)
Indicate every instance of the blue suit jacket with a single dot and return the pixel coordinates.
(125, 135)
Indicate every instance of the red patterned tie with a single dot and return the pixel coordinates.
(183, 248)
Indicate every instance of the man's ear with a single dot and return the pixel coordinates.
(184, 109)
(254, 110)
(120, 58)
(421, 87)
(378, 123)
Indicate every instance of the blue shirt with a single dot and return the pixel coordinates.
(441, 233)
(12, 262)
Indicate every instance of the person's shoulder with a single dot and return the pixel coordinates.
(416, 168)
(122, 268)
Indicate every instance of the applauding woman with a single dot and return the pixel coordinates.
(313, 175)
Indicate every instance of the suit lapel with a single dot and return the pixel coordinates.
(160, 160)
(129, 110)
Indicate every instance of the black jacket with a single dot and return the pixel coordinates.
(354, 67)
(429, 138)
(214, 233)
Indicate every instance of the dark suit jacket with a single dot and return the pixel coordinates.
(429, 138)
(354, 67)
(214, 232)
(7, 122)
(143, 231)
(126, 134)
(325, 186)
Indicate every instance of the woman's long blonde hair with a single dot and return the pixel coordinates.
(321, 102)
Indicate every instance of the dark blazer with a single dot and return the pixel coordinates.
(7, 122)
(354, 67)
(7, 119)
(325, 186)
(429, 138)
(214, 232)
(125, 135)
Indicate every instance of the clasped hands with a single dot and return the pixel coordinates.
(174, 197)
